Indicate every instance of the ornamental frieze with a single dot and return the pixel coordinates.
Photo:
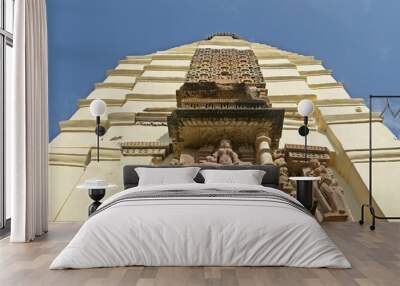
(225, 66)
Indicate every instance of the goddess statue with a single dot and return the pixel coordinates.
(224, 155)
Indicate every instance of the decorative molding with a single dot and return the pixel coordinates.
(303, 62)
(361, 117)
(315, 73)
(156, 97)
(263, 55)
(145, 57)
(291, 98)
(116, 85)
(135, 61)
(138, 148)
(237, 43)
(378, 154)
(165, 68)
(325, 85)
(294, 154)
(78, 125)
(198, 127)
(160, 79)
(278, 65)
(211, 95)
(172, 57)
(159, 109)
(286, 78)
(339, 102)
(109, 102)
(271, 56)
(151, 117)
(121, 118)
(124, 72)
(225, 66)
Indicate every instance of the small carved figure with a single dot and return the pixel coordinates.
(224, 155)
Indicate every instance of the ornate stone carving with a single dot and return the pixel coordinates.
(223, 155)
(137, 148)
(284, 183)
(224, 97)
(327, 192)
(211, 95)
(225, 66)
(294, 155)
(195, 128)
(331, 205)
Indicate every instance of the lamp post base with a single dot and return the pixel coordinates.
(96, 195)
(305, 193)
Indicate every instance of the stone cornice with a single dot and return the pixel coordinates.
(325, 85)
(290, 98)
(135, 61)
(159, 109)
(171, 57)
(165, 68)
(158, 97)
(79, 125)
(270, 56)
(265, 55)
(160, 79)
(315, 73)
(278, 65)
(302, 62)
(378, 155)
(121, 118)
(151, 116)
(285, 78)
(124, 72)
(115, 85)
(339, 102)
(150, 148)
(70, 160)
(145, 57)
(362, 117)
(109, 102)
(235, 43)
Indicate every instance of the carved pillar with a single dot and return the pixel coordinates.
(263, 149)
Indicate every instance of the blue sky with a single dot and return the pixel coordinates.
(359, 40)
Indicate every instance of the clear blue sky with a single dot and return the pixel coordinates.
(359, 40)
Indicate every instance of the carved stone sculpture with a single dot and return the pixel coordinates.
(284, 183)
(225, 66)
(331, 205)
(330, 196)
(224, 155)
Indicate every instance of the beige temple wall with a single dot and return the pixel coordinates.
(142, 88)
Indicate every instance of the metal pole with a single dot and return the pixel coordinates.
(369, 205)
(305, 138)
(98, 137)
(370, 151)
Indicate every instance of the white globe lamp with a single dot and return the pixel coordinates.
(305, 107)
(98, 107)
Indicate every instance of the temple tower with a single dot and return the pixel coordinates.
(181, 105)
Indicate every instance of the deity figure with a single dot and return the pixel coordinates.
(224, 155)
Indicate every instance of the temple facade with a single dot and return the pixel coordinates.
(224, 100)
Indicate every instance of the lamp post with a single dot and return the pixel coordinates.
(305, 108)
(97, 109)
(304, 184)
